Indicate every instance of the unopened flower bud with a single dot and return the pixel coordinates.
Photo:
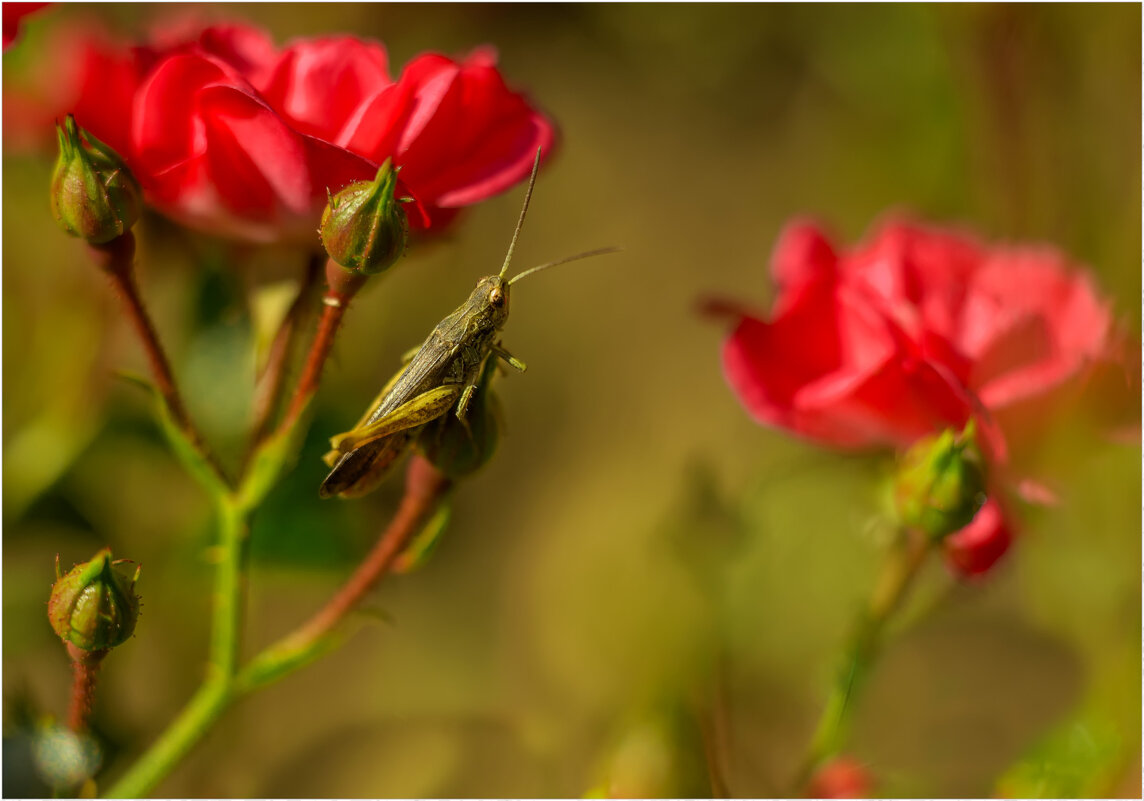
(364, 227)
(459, 448)
(940, 483)
(94, 606)
(93, 196)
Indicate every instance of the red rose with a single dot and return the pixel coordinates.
(459, 134)
(913, 332)
(212, 154)
(13, 15)
(977, 547)
(228, 135)
(841, 777)
(906, 334)
(832, 364)
(87, 73)
(470, 137)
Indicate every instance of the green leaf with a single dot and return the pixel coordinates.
(272, 456)
(295, 528)
(269, 306)
(284, 658)
(1081, 758)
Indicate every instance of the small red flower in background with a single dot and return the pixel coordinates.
(978, 546)
(842, 777)
(914, 331)
(229, 135)
(86, 72)
(13, 15)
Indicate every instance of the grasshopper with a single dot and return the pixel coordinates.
(442, 375)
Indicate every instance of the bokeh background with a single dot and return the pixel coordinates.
(636, 531)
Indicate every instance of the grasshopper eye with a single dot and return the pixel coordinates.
(496, 297)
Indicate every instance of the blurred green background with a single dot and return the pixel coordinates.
(636, 531)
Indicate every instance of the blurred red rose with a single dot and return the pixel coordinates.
(226, 134)
(913, 332)
(842, 777)
(13, 15)
(88, 73)
(457, 132)
(977, 547)
(211, 153)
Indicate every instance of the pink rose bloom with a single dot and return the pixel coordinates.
(916, 330)
(230, 135)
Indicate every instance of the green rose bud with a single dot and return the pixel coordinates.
(364, 227)
(940, 483)
(94, 196)
(457, 450)
(94, 606)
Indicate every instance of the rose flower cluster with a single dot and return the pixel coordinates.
(228, 134)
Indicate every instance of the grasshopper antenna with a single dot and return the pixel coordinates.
(586, 254)
(523, 211)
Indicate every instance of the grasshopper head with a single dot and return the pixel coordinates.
(489, 302)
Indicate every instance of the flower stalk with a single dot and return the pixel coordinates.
(85, 675)
(116, 259)
(425, 488)
(901, 567)
(217, 689)
(341, 288)
(226, 682)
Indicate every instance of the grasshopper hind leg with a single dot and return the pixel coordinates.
(360, 472)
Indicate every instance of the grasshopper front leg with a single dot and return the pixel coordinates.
(514, 362)
(472, 382)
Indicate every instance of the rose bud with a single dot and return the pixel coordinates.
(93, 195)
(94, 606)
(940, 483)
(364, 227)
(459, 448)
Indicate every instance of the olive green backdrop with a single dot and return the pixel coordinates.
(578, 590)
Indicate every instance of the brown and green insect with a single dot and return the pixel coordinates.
(442, 375)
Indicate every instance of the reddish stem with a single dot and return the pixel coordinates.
(341, 287)
(714, 728)
(85, 673)
(425, 486)
(117, 261)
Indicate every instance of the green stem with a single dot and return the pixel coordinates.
(205, 707)
(898, 572)
(217, 690)
(424, 489)
(226, 629)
